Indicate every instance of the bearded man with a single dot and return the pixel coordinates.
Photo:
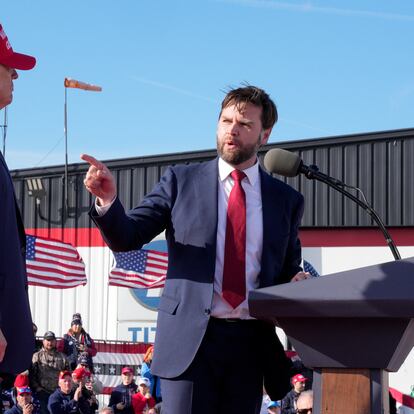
(230, 228)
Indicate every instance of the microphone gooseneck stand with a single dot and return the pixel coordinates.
(312, 173)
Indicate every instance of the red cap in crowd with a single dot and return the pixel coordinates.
(80, 373)
(127, 370)
(12, 59)
(64, 373)
(298, 378)
(21, 381)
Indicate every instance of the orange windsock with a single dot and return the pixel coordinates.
(73, 83)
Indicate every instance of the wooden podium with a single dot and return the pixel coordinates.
(351, 327)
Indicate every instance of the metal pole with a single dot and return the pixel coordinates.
(65, 207)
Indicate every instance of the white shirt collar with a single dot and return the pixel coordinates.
(225, 170)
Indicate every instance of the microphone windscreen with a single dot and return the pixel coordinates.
(282, 162)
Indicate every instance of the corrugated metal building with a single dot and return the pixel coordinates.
(378, 163)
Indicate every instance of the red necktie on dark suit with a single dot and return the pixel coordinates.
(234, 269)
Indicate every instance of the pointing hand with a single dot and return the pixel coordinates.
(99, 180)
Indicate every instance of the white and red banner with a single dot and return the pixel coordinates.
(112, 357)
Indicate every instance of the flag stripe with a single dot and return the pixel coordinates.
(52, 246)
(68, 263)
(41, 273)
(55, 268)
(138, 276)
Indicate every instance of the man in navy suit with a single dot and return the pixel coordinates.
(206, 343)
(16, 332)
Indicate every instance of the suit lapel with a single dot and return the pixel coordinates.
(206, 190)
(273, 227)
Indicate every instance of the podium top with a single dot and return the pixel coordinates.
(381, 291)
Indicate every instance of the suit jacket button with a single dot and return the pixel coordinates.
(207, 312)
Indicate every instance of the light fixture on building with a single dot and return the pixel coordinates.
(35, 188)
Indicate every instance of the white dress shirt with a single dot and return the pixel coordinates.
(254, 237)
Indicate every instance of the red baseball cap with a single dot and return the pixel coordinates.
(127, 370)
(298, 378)
(12, 59)
(80, 373)
(63, 374)
(21, 381)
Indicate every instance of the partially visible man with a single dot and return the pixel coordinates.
(65, 400)
(46, 365)
(97, 386)
(81, 377)
(24, 404)
(230, 228)
(121, 396)
(289, 402)
(16, 334)
(304, 404)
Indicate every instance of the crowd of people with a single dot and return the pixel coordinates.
(61, 380)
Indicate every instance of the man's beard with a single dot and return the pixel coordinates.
(241, 154)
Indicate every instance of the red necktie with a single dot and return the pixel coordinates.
(234, 269)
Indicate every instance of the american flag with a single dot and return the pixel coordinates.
(53, 264)
(145, 269)
(307, 267)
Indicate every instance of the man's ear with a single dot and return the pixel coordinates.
(265, 136)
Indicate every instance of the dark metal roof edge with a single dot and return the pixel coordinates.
(171, 158)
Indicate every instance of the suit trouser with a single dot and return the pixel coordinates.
(226, 375)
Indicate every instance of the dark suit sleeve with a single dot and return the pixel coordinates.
(124, 231)
(293, 257)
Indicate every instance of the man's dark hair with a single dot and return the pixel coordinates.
(255, 96)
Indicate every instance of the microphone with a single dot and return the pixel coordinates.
(288, 164)
(283, 162)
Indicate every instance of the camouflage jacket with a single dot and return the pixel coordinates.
(45, 369)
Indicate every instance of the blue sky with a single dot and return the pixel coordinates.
(332, 67)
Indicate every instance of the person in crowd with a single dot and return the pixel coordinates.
(22, 381)
(76, 342)
(16, 334)
(81, 377)
(305, 402)
(143, 400)
(289, 401)
(24, 403)
(65, 400)
(121, 396)
(44, 372)
(230, 228)
(155, 386)
(107, 410)
(97, 386)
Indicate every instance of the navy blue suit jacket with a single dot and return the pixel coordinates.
(184, 204)
(15, 317)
